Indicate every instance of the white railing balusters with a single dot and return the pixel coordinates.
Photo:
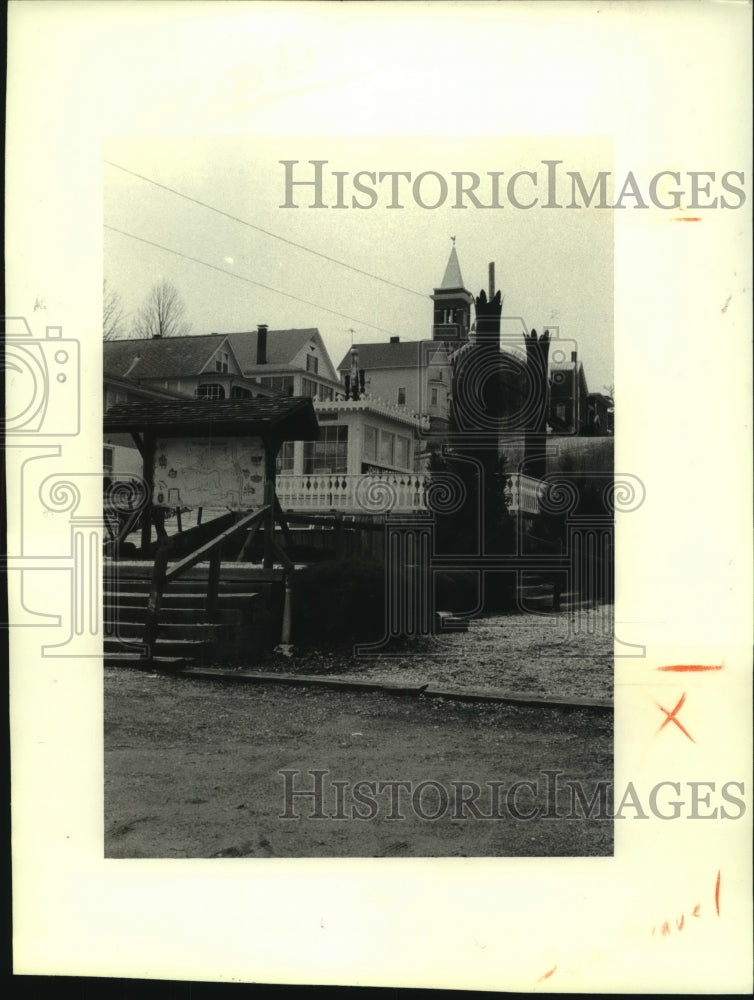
(396, 491)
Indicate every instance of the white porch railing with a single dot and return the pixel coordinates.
(522, 493)
(379, 493)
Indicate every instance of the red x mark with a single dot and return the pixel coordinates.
(671, 717)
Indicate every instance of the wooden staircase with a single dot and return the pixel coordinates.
(189, 633)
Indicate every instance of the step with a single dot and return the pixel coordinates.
(138, 586)
(136, 662)
(170, 600)
(136, 614)
(168, 630)
(186, 648)
(446, 621)
(229, 571)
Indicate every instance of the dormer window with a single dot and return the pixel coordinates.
(208, 390)
(312, 364)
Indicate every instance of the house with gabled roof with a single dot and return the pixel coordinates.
(414, 373)
(291, 362)
(141, 370)
(203, 367)
(417, 373)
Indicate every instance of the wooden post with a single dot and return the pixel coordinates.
(270, 455)
(284, 646)
(283, 521)
(179, 523)
(339, 553)
(155, 596)
(146, 522)
(213, 582)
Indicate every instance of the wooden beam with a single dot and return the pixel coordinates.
(283, 557)
(147, 455)
(270, 455)
(283, 521)
(206, 550)
(138, 442)
(249, 539)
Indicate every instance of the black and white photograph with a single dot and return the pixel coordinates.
(379, 493)
(360, 578)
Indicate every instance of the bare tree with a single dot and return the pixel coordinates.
(162, 313)
(113, 316)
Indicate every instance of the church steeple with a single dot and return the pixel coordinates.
(452, 314)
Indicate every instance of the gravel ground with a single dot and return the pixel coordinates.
(566, 655)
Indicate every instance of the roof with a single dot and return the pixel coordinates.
(370, 404)
(607, 400)
(405, 354)
(292, 418)
(453, 278)
(161, 357)
(143, 391)
(282, 346)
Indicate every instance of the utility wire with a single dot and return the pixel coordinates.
(259, 229)
(249, 281)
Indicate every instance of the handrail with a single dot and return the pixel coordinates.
(208, 548)
(161, 576)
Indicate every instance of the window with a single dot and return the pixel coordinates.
(208, 390)
(370, 443)
(433, 394)
(402, 396)
(312, 363)
(309, 387)
(238, 392)
(329, 453)
(325, 392)
(285, 457)
(221, 362)
(107, 460)
(401, 452)
(280, 383)
(387, 445)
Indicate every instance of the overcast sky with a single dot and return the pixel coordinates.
(555, 267)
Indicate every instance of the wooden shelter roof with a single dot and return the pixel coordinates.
(288, 418)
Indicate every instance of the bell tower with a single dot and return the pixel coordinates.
(452, 304)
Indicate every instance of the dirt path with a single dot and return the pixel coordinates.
(192, 770)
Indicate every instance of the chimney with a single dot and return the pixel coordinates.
(492, 281)
(395, 340)
(573, 356)
(261, 343)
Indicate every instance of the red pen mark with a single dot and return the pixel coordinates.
(686, 218)
(717, 894)
(671, 717)
(666, 928)
(680, 668)
(547, 975)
